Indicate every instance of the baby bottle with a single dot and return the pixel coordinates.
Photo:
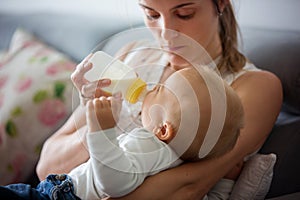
(123, 78)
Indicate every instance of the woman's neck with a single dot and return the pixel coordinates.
(214, 48)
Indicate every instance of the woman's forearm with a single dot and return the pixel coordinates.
(61, 154)
(188, 181)
(65, 149)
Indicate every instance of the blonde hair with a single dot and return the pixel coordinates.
(234, 119)
(234, 122)
(232, 59)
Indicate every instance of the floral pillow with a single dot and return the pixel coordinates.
(35, 100)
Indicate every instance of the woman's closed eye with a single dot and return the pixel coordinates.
(151, 14)
(157, 16)
(185, 14)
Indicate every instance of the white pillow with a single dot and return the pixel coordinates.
(35, 100)
(255, 180)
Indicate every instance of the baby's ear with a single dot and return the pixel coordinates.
(166, 132)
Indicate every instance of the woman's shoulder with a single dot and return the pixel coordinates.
(259, 81)
(259, 90)
(252, 76)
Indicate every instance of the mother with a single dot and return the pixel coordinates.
(213, 25)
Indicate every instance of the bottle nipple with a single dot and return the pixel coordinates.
(135, 91)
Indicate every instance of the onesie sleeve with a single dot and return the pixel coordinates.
(113, 171)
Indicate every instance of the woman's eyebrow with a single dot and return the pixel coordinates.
(144, 6)
(182, 5)
(176, 7)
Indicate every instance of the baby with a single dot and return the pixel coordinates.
(176, 118)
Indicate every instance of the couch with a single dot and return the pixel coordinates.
(276, 50)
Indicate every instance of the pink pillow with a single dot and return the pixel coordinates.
(35, 100)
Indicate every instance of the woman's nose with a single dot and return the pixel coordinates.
(168, 29)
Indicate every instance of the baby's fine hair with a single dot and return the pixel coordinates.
(234, 117)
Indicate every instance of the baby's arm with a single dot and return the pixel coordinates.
(112, 169)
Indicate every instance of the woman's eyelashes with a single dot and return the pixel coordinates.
(185, 17)
(185, 13)
(152, 15)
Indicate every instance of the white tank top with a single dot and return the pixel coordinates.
(230, 77)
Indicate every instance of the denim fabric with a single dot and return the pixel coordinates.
(55, 187)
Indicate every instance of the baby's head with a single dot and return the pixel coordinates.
(179, 113)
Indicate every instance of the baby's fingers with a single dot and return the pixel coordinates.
(116, 106)
(91, 117)
(104, 113)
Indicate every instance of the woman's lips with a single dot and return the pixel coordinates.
(172, 48)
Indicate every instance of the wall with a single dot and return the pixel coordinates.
(270, 13)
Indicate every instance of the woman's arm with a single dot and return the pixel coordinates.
(261, 96)
(66, 148)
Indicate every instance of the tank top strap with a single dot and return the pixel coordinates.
(230, 77)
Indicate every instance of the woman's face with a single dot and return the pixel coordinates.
(181, 25)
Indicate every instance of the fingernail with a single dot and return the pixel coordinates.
(88, 64)
(117, 95)
(105, 81)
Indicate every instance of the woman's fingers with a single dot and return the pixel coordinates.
(85, 60)
(77, 76)
(85, 65)
(94, 89)
(89, 90)
(103, 83)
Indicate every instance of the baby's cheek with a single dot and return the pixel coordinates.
(144, 119)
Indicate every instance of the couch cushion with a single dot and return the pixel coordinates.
(71, 34)
(277, 51)
(35, 100)
(284, 141)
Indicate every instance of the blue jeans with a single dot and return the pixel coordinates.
(55, 187)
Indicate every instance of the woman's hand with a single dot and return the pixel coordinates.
(70, 138)
(88, 90)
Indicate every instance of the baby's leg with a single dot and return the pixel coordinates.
(53, 187)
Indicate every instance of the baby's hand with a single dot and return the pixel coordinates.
(103, 113)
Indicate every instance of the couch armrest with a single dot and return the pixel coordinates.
(284, 141)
